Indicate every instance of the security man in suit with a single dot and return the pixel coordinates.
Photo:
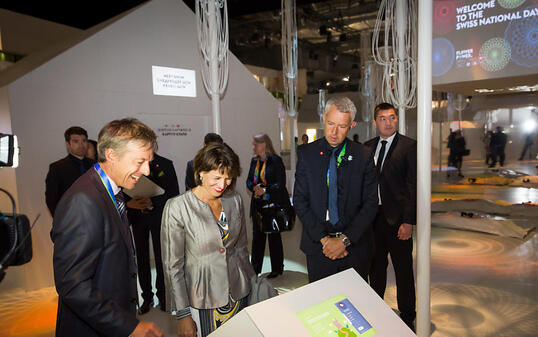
(396, 164)
(63, 173)
(94, 259)
(335, 196)
(145, 217)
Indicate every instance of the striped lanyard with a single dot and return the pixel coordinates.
(105, 180)
(260, 175)
(338, 161)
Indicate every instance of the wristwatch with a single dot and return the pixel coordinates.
(344, 239)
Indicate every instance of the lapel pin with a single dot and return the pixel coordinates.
(321, 153)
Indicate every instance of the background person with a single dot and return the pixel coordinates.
(63, 173)
(91, 153)
(498, 144)
(457, 150)
(267, 181)
(204, 245)
(145, 217)
(396, 164)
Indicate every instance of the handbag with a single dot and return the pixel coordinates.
(277, 219)
(260, 290)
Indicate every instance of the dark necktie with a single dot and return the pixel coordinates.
(380, 157)
(333, 189)
(120, 202)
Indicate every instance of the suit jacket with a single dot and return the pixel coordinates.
(200, 270)
(398, 180)
(162, 173)
(189, 176)
(94, 265)
(62, 174)
(310, 195)
(275, 176)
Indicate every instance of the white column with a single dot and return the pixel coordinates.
(424, 132)
(214, 66)
(401, 26)
(293, 155)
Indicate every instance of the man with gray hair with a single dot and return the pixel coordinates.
(94, 257)
(335, 196)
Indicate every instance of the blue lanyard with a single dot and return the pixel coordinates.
(105, 180)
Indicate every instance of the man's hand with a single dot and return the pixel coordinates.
(405, 231)
(139, 203)
(258, 190)
(186, 327)
(333, 248)
(146, 329)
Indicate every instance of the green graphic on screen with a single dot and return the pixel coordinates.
(335, 317)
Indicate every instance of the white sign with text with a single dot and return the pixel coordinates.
(173, 81)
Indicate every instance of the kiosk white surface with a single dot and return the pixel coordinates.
(277, 316)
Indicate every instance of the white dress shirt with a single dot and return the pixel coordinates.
(378, 148)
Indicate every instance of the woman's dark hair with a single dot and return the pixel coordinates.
(220, 157)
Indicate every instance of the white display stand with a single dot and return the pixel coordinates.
(276, 317)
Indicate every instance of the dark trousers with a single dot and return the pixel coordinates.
(401, 254)
(525, 148)
(498, 155)
(143, 225)
(359, 258)
(258, 248)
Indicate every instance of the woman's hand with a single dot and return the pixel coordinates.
(258, 190)
(139, 203)
(186, 327)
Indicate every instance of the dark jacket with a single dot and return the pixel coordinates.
(310, 195)
(398, 180)
(189, 177)
(275, 175)
(94, 264)
(62, 174)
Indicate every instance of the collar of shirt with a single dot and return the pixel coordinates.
(330, 148)
(387, 147)
(75, 158)
(115, 187)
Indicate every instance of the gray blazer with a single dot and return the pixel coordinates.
(200, 271)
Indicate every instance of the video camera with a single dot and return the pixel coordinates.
(15, 235)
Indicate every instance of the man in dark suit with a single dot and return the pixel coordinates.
(189, 174)
(335, 196)
(396, 164)
(94, 259)
(63, 173)
(145, 216)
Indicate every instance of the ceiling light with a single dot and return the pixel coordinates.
(328, 83)
(346, 78)
(524, 88)
(481, 91)
(529, 126)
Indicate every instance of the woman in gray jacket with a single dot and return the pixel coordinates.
(204, 245)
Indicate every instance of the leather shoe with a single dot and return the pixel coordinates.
(144, 308)
(274, 274)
